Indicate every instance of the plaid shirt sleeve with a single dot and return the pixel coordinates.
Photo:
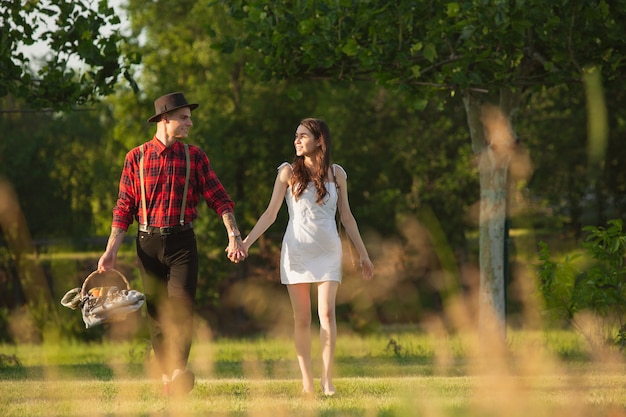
(210, 186)
(126, 207)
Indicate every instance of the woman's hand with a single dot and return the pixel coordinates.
(236, 251)
(367, 269)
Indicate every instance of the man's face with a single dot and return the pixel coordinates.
(178, 122)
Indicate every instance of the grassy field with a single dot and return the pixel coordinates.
(393, 373)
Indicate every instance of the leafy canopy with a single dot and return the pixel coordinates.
(479, 44)
(85, 59)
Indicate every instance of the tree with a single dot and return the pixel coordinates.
(77, 36)
(491, 53)
(246, 126)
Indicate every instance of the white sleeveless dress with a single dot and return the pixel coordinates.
(311, 249)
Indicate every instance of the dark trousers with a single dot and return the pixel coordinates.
(169, 270)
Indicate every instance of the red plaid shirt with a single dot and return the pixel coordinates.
(164, 177)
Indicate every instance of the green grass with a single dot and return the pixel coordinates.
(392, 374)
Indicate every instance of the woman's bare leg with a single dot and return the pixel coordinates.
(326, 296)
(300, 295)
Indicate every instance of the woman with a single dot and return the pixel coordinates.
(311, 250)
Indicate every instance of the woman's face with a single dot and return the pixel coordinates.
(305, 143)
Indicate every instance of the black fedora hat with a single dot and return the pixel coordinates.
(168, 103)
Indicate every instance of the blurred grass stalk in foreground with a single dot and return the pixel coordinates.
(397, 372)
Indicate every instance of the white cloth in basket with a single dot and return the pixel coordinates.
(114, 305)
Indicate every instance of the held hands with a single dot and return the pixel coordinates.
(236, 250)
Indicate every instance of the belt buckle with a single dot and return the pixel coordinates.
(164, 231)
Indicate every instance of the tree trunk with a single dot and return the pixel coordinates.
(493, 142)
(493, 187)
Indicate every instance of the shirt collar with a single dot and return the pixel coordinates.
(176, 147)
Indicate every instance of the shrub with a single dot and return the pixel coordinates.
(591, 283)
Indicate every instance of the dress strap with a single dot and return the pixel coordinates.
(282, 165)
(334, 168)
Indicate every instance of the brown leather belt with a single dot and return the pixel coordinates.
(165, 231)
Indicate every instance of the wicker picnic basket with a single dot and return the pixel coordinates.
(104, 298)
(104, 280)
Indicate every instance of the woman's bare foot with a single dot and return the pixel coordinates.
(308, 388)
(328, 389)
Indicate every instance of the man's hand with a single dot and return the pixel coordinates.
(109, 257)
(236, 251)
(106, 261)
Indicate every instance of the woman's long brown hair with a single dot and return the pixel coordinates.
(321, 162)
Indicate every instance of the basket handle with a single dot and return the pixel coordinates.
(94, 273)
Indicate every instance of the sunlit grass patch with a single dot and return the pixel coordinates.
(394, 373)
(434, 396)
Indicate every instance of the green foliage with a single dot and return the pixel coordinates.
(556, 283)
(405, 152)
(451, 45)
(51, 162)
(595, 285)
(73, 32)
(553, 126)
(436, 49)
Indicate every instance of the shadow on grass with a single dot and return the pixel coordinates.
(86, 371)
(346, 367)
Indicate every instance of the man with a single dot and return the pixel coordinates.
(161, 185)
